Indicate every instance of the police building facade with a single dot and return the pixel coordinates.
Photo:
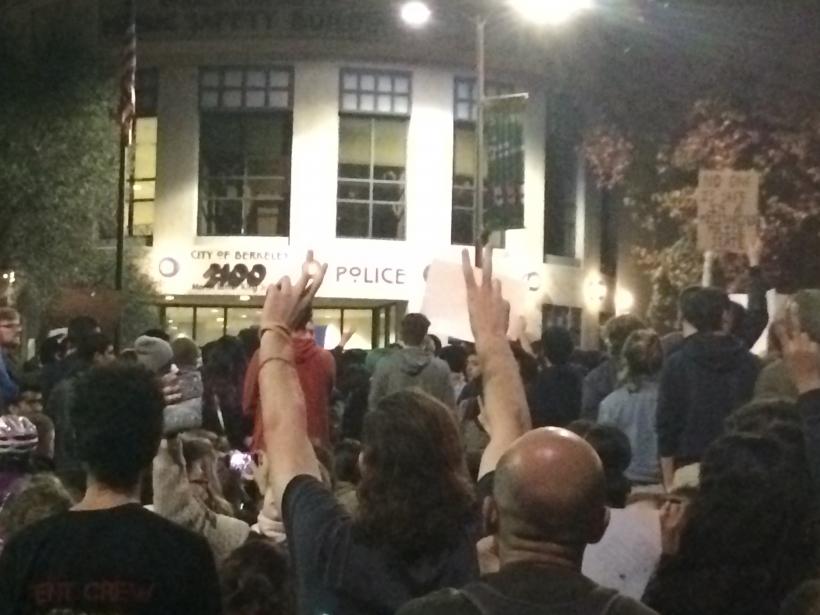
(269, 127)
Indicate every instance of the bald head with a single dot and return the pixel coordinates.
(549, 487)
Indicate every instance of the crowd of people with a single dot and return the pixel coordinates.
(264, 475)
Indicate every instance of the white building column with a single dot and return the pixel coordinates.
(315, 155)
(430, 160)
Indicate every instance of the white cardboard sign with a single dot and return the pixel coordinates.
(445, 300)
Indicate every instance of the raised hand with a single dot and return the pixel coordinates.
(673, 517)
(286, 302)
(802, 358)
(489, 313)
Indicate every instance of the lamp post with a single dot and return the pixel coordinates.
(417, 13)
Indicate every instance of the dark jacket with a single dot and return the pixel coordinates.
(58, 409)
(701, 384)
(556, 396)
(412, 368)
(808, 405)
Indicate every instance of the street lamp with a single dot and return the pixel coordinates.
(551, 12)
(416, 13)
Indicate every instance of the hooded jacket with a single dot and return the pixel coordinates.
(701, 384)
(409, 368)
(317, 376)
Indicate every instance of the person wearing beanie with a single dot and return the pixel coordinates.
(153, 353)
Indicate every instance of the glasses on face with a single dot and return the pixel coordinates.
(11, 325)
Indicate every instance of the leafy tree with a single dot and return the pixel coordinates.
(59, 152)
(718, 86)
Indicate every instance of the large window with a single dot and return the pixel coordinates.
(246, 136)
(373, 154)
(465, 112)
(140, 216)
(563, 141)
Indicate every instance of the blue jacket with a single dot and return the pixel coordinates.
(634, 412)
(8, 388)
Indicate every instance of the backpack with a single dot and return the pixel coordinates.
(489, 601)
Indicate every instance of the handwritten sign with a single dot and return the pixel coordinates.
(727, 209)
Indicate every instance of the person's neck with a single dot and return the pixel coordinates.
(520, 550)
(101, 497)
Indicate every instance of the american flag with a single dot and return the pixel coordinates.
(128, 79)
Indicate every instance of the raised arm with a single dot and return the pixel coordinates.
(506, 413)
(757, 311)
(283, 403)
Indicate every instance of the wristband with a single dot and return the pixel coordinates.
(277, 328)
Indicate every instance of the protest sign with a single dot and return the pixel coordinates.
(727, 209)
(445, 300)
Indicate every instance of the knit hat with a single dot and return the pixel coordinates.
(153, 353)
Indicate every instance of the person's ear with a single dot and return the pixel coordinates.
(598, 525)
(489, 510)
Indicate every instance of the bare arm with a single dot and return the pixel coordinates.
(288, 447)
(505, 403)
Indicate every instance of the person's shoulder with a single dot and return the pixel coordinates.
(444, 602)
(614, 401)
(440, 365)
(36, 533)
(172, 533)
(308, 495)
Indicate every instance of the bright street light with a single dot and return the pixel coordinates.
(415, 13)
(551, 12)
(624, 301)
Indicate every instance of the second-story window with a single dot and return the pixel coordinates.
(375, 111)
(246, 134)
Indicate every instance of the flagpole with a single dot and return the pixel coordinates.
(127, 113)
(120, 263)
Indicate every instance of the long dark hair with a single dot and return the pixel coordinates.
(415, 494)
(751, 536)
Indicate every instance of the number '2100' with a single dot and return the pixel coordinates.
(221, 276)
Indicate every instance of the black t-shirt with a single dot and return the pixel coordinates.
(120, 561)
(340, 572)
(528, 589)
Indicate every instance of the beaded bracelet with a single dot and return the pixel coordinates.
(275, 359)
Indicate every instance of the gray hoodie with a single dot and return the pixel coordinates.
(409, 368)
